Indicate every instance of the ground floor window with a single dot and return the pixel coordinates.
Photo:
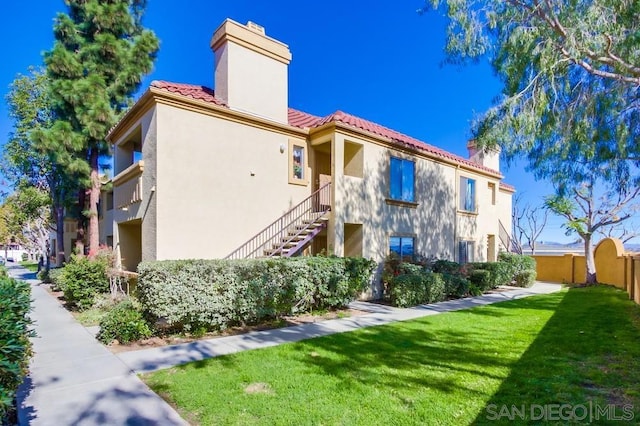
(402, 246)
(466, 252)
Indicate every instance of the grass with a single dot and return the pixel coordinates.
(92, 316)
(31, 266)
(570, 347)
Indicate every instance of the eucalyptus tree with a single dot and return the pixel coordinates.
(561, 62)
(100, 55)
(570, 102)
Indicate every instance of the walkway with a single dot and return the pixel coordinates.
(74, 380)
(152, 359)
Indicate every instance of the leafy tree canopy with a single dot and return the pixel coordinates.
(571, 74)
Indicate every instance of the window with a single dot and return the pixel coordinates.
(402, 179)
(466, 252)
(467, 194)
(402, 246)
(297, 163)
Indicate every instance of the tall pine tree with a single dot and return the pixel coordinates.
(99, 58)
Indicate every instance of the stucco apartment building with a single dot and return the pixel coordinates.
(200, 173)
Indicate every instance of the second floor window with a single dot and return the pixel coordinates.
(402, 179)
(467, 194)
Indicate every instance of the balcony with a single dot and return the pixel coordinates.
(127, 186)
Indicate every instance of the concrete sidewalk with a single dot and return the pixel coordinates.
(74, 380)
(152, 359)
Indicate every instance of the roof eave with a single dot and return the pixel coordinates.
(397, 144)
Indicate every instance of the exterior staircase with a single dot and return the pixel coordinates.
(292, 232)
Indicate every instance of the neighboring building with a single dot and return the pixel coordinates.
(198, 174)
(105, 226)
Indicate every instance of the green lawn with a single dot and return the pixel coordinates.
(571, 347)
(31, 266)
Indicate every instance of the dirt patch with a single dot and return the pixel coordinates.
(258, 388)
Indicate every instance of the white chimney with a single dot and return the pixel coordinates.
(251, 70)
(484, 157)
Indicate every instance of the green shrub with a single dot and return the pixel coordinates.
(394, 265)
(407, 290)
(4, 273)
(415, 289)
(54, 278)
(449, 267)
(81, 280)
(213, 294)
(500, 273)
(525, 278)
(124, 323)
(517, 262)
(456, 286)
(481, 278)
(474, 290)
(15, 348)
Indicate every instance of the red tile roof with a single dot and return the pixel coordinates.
(195, 92)
(304, 120)
(507, 187)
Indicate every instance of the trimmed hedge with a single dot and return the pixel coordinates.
(456, 286)
(407, 285)
(521, 268)
(417, 288)
(15, 348)
(214, 294)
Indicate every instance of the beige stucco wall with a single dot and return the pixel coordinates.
(483, 223)
(217, 182)
(363, 200)
(251, 82)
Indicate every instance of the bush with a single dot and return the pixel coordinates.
(517, 262)
(124, 323)
(214, 294)
(14, 339)
(449, 267)
(525, 278)
(414, 289)
(456, 286)
(54, 278)
(500, 273)
(481, 279)
(81, 280)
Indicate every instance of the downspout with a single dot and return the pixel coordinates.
(455, 212)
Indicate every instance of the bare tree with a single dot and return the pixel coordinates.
(625, 232)
(528, 223)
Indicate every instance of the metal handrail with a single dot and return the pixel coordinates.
(311, 208)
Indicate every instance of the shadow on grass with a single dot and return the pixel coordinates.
(585, 356)
(443, 353)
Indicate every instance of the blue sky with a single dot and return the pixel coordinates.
(379, 60)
